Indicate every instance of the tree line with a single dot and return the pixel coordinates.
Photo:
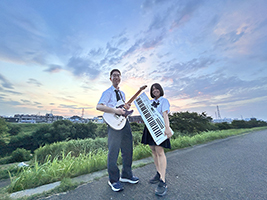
(186, 123)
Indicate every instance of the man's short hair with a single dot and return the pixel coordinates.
(114, 70)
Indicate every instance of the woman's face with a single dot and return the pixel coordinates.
(155, 92)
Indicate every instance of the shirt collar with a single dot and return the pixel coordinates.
(158, 100)
(113, 88)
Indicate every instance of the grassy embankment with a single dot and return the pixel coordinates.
(69, 166)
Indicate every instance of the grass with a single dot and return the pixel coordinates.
(69, 166)
(9, 168)
(56, 170)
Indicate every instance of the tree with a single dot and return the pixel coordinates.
(83, 131)
(14, 129)
(42, 135)
(60, 130)
(102, 130)
(186, 122)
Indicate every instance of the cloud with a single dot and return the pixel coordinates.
(23, 39)
(69, 106)
(149, 4)
(9, 103)
(25, 101)
(123, 41)
(111, 50)
(53, 69)
(153, 43)
(74, 107)
(96, 52)
(227, 40)
(141, 60)
(184, 12)
(83, 67)
(158, 22)
(133, 48)
(5, 83)
(207, 88)
(33, 81)
(9, 91)
(177, 70)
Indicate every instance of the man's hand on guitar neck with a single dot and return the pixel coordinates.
(127, 106)
(124, 111)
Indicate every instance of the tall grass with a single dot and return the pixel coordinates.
(76, 147)
(55, 169)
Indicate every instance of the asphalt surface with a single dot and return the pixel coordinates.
(231, 168)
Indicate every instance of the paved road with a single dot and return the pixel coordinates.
(232, 168)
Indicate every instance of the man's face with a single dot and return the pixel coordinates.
(115, 78)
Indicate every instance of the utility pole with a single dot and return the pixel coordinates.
(219, 116)
(82, 112)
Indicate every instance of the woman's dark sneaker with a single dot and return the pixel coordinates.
(155, 179)
(161, 189)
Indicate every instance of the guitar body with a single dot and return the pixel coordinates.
(115, 121)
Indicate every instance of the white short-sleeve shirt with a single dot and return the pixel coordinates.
(163, 106)
(108, 97)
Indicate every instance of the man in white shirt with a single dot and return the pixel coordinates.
(117, 139)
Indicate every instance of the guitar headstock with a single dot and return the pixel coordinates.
(143, 87)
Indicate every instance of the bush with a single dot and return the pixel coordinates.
(20, 155)
(3, 148)
(137, 137)
(14, 129)
(136, 126)
(102, 130)
(223, 126)
(21, 140)
(5, 160)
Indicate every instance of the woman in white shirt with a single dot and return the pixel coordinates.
(163, 106)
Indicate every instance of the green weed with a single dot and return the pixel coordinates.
(68, 166)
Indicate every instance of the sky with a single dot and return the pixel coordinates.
(56, 56)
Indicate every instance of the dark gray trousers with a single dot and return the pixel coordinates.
(120, 140)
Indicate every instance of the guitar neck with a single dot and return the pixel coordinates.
(134, 96)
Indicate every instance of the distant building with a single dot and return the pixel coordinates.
(228, 120)
(137, 119)
(98, 119)
(26, 118)
(50, 118)
(12, 119)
